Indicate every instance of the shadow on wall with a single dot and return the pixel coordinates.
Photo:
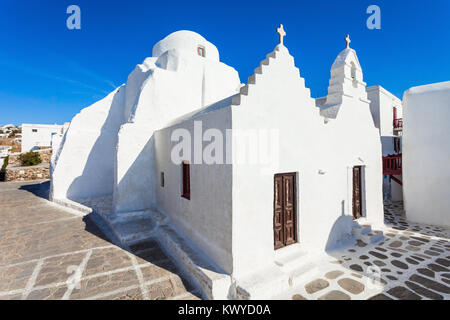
(387, 144)
(97, 178)
(341, 230)
(136, 189)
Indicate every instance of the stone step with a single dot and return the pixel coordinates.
(366, 234)
(153, 214)
(127, 216)
(265, 284)
(360, 231)
(373, 237)
(85, 210)
(291, 259)
(210, 280)
(133, 231)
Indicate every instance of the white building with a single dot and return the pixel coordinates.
(4, 151)
(387, 112)
(250, 176)
(35, 136)
(426, 154)
(8, 128)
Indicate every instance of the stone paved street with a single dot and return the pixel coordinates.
(45, 249)
(412, 262)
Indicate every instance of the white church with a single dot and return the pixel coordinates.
(235, 180)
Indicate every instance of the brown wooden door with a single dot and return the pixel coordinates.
(284, 210)
(357, 203)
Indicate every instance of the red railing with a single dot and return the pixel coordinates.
(392, 164)
(398, 124)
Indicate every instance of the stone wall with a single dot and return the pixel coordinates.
(41, 171)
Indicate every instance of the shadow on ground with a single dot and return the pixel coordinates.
(166, 279)
(39, 189)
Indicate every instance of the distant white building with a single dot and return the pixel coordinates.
(4, 151)
(35, 136)
(8, 128)
(426, 154)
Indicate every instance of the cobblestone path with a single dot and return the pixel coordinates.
(411, 263)
(50, 252)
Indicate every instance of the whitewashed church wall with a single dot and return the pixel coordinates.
(205, 219)
(322, 155)
(279, 101)
(426, 154)
(362, 149)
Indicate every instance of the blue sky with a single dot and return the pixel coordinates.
(49, 73)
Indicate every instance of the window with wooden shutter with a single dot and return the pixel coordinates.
(186, 191)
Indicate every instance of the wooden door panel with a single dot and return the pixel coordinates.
(278, 213)
(357, 203)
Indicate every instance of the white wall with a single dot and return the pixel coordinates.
(241, 207)
(108, 147)
(382, 103)
(83, 166)
(178, 82)
(206, 218)
(41, 138)
(396, 189)
(426, 154)
(322, 155)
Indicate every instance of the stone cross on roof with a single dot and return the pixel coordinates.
(281, 33)
(347, 40)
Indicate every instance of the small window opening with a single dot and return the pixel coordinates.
(353, 71)
(162, 179)
(201, 51)
(186, 191)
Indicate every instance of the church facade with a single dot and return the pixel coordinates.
(249, 176)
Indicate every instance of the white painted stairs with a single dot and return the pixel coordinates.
(365, 233)
(138, 226)
(292, 267)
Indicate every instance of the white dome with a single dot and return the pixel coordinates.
(186, 41)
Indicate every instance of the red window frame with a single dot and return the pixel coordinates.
(186, 178)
